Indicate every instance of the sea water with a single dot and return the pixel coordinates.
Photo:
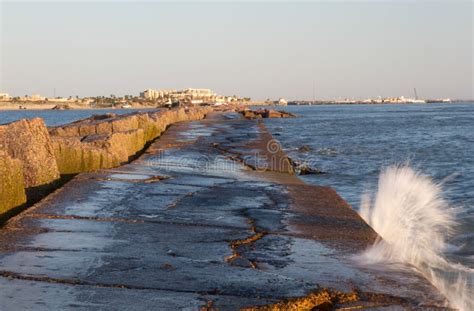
(59, 117)
(409, 171)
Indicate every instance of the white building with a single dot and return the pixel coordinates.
(189, 93)
(282, 102)
(60, 99)
(199, 93)
(197, 101)
(157, 94)
(149, 94)
(37, 97)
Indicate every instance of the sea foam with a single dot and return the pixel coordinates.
(413, 220)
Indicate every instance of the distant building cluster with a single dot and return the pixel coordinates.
(379, 100)
(188, 96)
(403, 100)
(395, 100)
(5, 97)
(149, 97)
(33, 98)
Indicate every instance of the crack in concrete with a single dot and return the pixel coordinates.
(46, 279)
(209, 306)
(37, 249)
(237, 258)
(180, 199)
(232, 155)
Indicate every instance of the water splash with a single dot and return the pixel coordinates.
(413, 221)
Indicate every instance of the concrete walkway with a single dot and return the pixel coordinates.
(209, 217)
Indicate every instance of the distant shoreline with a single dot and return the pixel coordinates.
(331, 103)
(10, 106)
(16, 106)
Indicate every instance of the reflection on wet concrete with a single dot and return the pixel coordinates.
(185, 225)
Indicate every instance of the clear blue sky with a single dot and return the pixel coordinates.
(262, 50)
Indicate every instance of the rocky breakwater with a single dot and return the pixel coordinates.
(28, 166)
(34, 158)
(265, 114)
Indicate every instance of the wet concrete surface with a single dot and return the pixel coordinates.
(210, 214)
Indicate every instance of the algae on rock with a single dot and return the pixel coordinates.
(12, 186)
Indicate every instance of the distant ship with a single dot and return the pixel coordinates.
(417, 100)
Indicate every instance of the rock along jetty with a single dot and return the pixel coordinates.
(210, 216)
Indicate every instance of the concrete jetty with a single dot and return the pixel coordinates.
(209, 217)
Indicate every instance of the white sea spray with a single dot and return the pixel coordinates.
(413, 220)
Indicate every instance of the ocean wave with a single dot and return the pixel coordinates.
(414, 221)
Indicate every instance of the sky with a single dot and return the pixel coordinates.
(295, 50)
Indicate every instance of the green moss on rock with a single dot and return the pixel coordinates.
(29, 142)
(102, 142)
(12, 186)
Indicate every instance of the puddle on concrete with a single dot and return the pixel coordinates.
(103, 201)
(135, 178)
(54, 264)
(130, 176)
(81, 235)
(38, 296)
(194, 132)
(174, 162)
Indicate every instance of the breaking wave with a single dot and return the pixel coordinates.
(413, 220)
